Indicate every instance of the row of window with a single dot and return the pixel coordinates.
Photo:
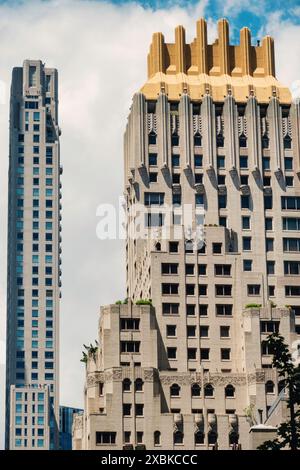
(225, 354)
(34, 443)
(220, 140)
(34, 376)
(19, 408)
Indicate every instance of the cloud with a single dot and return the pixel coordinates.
(100, 50)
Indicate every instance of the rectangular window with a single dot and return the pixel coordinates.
(291, 291)
(243, 162)
(204, 331)
(222, 201)
(271, 267)
(269, 244)
(290, 203)
(245, 222)
(224, 331)
(246, 243)
(221, 161)
(130, 346)
(223, 289)
(32, 76)
(224, 309)
(266, 163)
(247, 264)
(268, 223)
(268, 202)
(129, 323)
(253, 289)
(169, 288)
(204, 354)
(222, 269)
(292, 267)
(175, 160)
(170, 309)
(291, 223)
(173, 247)
(171, 330)
(154, 199)
(288, 163)
(105, 437)
(171, 353)
(203, 310)
(198, 160)
(291, 244)
(190, 289)
(225, 354)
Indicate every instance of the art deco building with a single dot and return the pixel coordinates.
(33, 289)
(213, 129)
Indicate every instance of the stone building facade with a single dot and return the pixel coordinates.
(215, 137)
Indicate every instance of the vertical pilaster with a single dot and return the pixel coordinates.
(202, 46)
(231, 130)
(253, 126)
(185, 118)
(180, 55)
(139, 125)
(209, 131)
(245, 45)
(295, 117)
(163, 118)
(223, 33)
(276, 141)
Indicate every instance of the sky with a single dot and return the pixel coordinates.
(100, 50)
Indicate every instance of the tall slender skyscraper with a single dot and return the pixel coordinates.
(214, 130)
(33, 280)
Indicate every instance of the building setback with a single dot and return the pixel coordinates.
(33, 279)
(212, 128)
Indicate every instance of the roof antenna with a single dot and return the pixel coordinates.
(258, 43)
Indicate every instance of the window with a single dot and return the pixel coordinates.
(265, 348)
(247, 243)
(139, 409)
(175, 390)
(198, 178)
(192, 354)
(171, 330)
(202, 289)
(175, 160)
(268, 202)
(269, 244)
(152, 159)
(288, 163)
(244, 179)
(172, 353)
(176, 178)
(225, 354)
(129, 323)
(221, 161)
(291, 223)
(130, 346)
(190, 289)
(157, 438)
(169, 268)
(224, 331)
(289, 181)
(220, 140)
(223, 221)
(266, 163)
(199, 199)
(222, 269)
(222, 201)
(127, 409)
(153, 177)
(292, 267)
(247, 264)
(267, 181)
(152, 138)
(139, 385)
(126, 385)
(223, 289)
(268, 223)
(173, 247)
(271, 267)
(269, 327)
(245, 202)
(105, 438)
(189, 269)
(290, 203)
(198, 160)
(243, 162)
(204, 354)
(174, 140)
(291, 244)
(169, 289)
(224, 309)
(208, 391)
(170, 309)
(195, 390)
(292, 291)
(270, 387)
(253, 289)
(204, 331)
(203, 309)
(191, 331)
(178, 437)
(245, 222)
(217, 248)
(243, 140)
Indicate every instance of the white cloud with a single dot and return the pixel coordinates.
(100, 51)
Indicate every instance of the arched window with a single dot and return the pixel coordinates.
(212, 437)
(139, 384)
(270, 387)
(152, 138)
(243, 141)
(287, 142)
(196, 390)
(229, 391)
(178, 437)
(157, 438)
(175, 390)
(233, 438)
(208, 390)
(158, 246)
(199, 437)
(197, 140)
(126, 385)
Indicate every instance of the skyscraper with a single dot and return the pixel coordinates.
(33, 279)
(66, 414)
(212, 128)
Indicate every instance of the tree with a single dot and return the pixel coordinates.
(288, 432)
